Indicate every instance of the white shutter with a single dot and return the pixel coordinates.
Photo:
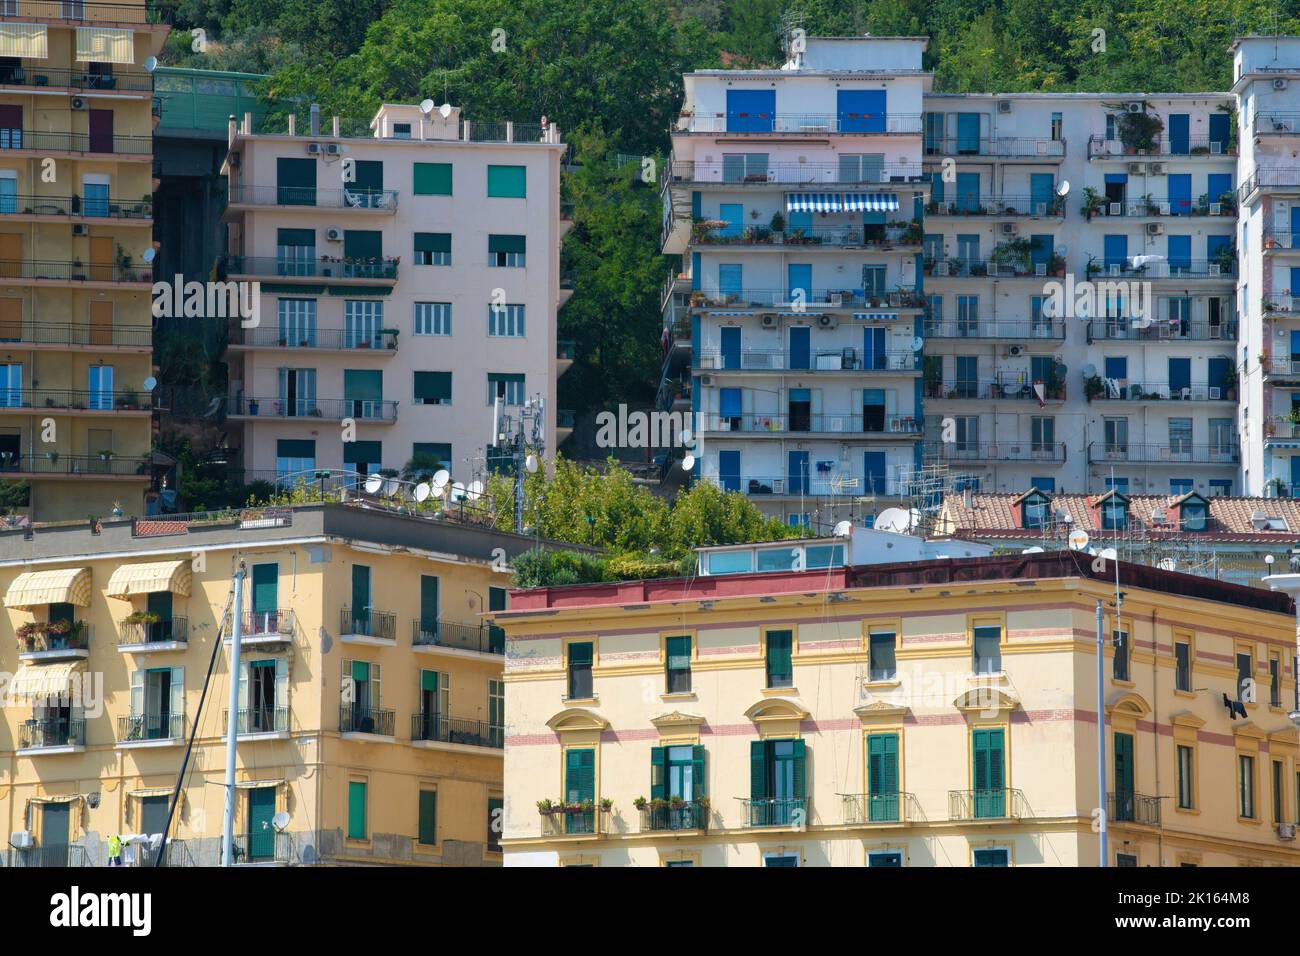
(177, 702)
(282, 685)
(374, 687)
(347, 692)
(891, 402)
(105, 45)
(137, 693)
(816, 401)
(444, 695)
(243, 686)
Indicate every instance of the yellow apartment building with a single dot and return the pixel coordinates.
(937, 712)
(370, 715)
(76, 218)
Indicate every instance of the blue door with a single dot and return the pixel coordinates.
(1180, 127)
(730, 280)
(800, 347)
(750, 111)
(873, 472)
(968, 192)
(1042, 189)
(730, 346)
(1295, 349)
(800, 279)
(1180, 253)
(1116, 250)
(1217, 373)
(1180, 194)
(797, 473)
(729, 470)
(1295, 474)
(861, 111)
(1295, 233)
(1295, 284)
(1041, 249)
(873, 348)
(729, 405)
(968, 134)
(1180, 374)
(1217, 186)
(1220, 135)
(733, 214)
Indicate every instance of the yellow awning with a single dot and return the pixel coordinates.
(132, 579)
(62, 586)
(105, 45)
(47, 680)
(29, 40)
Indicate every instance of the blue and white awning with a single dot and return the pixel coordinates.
(875, 316)
(870, 202)
(814, 202)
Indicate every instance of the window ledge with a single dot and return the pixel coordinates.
(581, 701)
(1122, 683)
(882, 684)
(1250, 821)
(780, 691)
(681, 695)
(1185, 693)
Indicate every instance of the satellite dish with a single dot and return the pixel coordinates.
(149, 254)
(917, 343)
(458, 492)
(422, 491)
(897, 520)
(1034, 550)
(475, 490)
(1064, 188)
(151, 64)
(1110, 554)
(1167, 564)
(688, 463)
(426, 106)
(390, 486)
(686, 436)
(444, 110)
(530, 463)
(844, 529)
(440, 480)
(1078, 539)
(1089, 370)
(150, 383)
(374, 483)
(280, 821)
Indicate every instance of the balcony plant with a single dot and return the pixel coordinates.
(1139, 132)
(777, 225)
(27, 634)
(1093, 387)
(105, 455)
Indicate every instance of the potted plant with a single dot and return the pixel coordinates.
(606, 804)
(27, 634)
(1293, 418)
(640, 803)
(1093, 387)
(546, 806)
(105, 455)
(252, 406)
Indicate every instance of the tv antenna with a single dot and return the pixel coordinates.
(523, 436)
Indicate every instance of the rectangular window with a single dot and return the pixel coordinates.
(432, 318)
(991, 857)
(428, 830)
(580, 660)
(294, 459)
(1246, 786)
(780, 667)
(987, 649)
(507, 387)
(507, 181)
(1126, 859)
(362, 320)
(297, 322)
(497, 713)
(495, 822)
(1182, 665)
(1245, 678)
(506, 321)
(881, 648)
(1186, 788)
(580, 788)
(356, 810)
(433, 248)
(1274, 681)
(677, 650)
(988, 751)
(433, 388)
(432, 179)
(433, 456)
(507, 251)
(882, 778)
(1119, 640)
(1277, 791)
(777, 778)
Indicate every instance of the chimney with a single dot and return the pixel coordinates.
(336, 127)
(315, 119)
(968, 498)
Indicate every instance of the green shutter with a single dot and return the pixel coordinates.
(679, 653)
(507, 244)
(658, 773)
(433, 385)
(362, 452)
(882, 754)
(579, 653)
(429, 681)
(697, 771)
(295, 181)
(295, 448)
(580, 776)
(428, 602)
(295, 237)
(779, 662)
(265, 588)
(428, 817)
(758, 752)
(800, 765)
(439, 452)
(433, 242)
(507, 181)
(363, 244)
(356, 810)
(1124, 763)
(160, 603)
(433, 179)
(360, 672)
(370, 175)
(360, 588)
(363, 385)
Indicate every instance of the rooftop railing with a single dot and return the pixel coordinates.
(994, 146)
(859, 124)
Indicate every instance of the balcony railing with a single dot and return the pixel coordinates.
(367, 622)
(829, 423)
(1016, 330)
(73, 642)
(1269, 177)
(456, 730)
(560, 821)
(268, 846)
(275, 267)
(1283, 367)
(806, 123)
(691, 815)
(354, 719)
(334, 409)
(1163, 330)
(118, 208)
(175, 853)
(1275, 122)
(795, 174)
(1281, 238)
(776, 813)
(1010, 269)
(1000, 206)
(812, 485)
(137, 727)
(99, 400)
(995, 146)
(1148, 208)
(43, 732)
(856, 236)
(1051, 452)
(1180, 269)
(353, 198)
(1003, 804)
(810, 299)
(155, 632)
(1100, 147)
(259, 720)
(56, 463)
(863, 808)
(1287, 305)
(90, 11)
(40, 76)
(73, 270)
(846, 359)
(267, 624)
(51, 142)
(1014, 389)
(377, 340)
(40, 333)
(60, 856)
(1127, 391)
(1130, 807)
(1179, 453)
(485, 639)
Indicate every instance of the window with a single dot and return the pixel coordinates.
(1180, 436)
(495, 822)
(680, 863)
(882, 778)
(356, 810)
(508, 387)
(1274, 681)
(885, 858)
(988, 751)
(739, 167)
(1126, 859)
(1034, 511)
(506, 321)
(1220, 487)
(1195, 512)
(780, 667)
(432, 179)
(776, 781)
(1245, 677)
(157, 701)
(1178, 487)
(497, 713)
(295, 458)
(987, 649)
(781, 859)
(507, 181)
(1042, 433)
(677, 773)
(996, 856)
(1114, 514)
(428, 828)
(1120, 641)
(1186, 780)
(362, 320)
(433, 248)
(677, 651)
(297, 322)
(1182, 666)
(433, 318)
(433, 388)
(1246, 786)
(401, 131)
(1043, 483)
(507, 251)
(1278, 787)
(881, 649)
(580, 787)
(580, 658)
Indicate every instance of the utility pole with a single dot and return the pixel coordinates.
(526, 437)
(232, 722)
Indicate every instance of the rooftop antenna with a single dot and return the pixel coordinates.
(525, 436)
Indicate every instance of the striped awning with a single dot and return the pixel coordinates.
(47, 680)
(62, 586)
(875, 316)
(870, 202)
(814, 202)
(132, 579)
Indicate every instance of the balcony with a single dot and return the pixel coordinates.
(958, 267)
(998, 207)
(1281, 307)
(1281, 240)
(436, 728)
(1275, 123)
(833, 486)
(367, 626)
(265, 627)
(791, 812)
(1152, 208)
(1099, 147)
(1269, 177)
(1029, 451)
(77, 400)
(81, 11)
(1222, 268)
(811, 300)
(47, 79)
(999, 804)
(259, 721)
(1017, 389)
(846, 359)
(1130, 807)
(787, 175)
(761, 424)
(376, 411)
(60, 856)
(378, 341)
(61, 336)
(1174, 454)
(71, 208)
(1005, 329)
(56, 734)
(56, 641)
(355, 719)
(862, 809)
(150, 728)
(370, 271)
(453, 635)
(994, 147)
(142, 637)
(73, 270)
(267, 848)
(53, 464)
(1164, 330)
(578, 820)
(305, 198)
(1126, 391)
(803, 124)
(659, 815)
(717, 232)
(46, 142)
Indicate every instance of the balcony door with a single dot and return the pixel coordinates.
(987, 750)
(101, 388)
(100, 125)
(360, 599)
(261, 834)
(11, 254)
(11, 386)
(873, 472)
(55, 821)
(882, 778)
(101, 323)
(1123, 777)
(297, 392)
(730, 346)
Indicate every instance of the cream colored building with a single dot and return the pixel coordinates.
(927, 713)
(76, 214)
(370, 698)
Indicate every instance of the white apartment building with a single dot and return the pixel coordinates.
(409, 274)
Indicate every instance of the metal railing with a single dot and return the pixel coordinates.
(810, 299)
(1283, 367)
(690, 815)
(812, 485)
(56, 142)
(1280, 238)
(995, 146)
(258, 720)
(856, 236)
(59, 855)
(1178, 269)
(40, 76)
(41, 732)
(1129, 807)
(1147, 208)
(829, 423)
(1001, 206)
(1014, 389)
(794, 174)
(277, 623)
(456, 730)
(1008, 269)
(1052, 452)
(77, 638)
(74, 399)
(27, 205)
(847, 358)
(379, 340)
(334, 409)
(40, 333)
(1279, 122)
(844, 123)
(367, 622)
(269, 846)
(153, 632)
(90, 11)
(1015, 329)
(1162, 330)
(898, 807)
(354, 719)
(133, 727)
(1100, 147)
(775, 813)
(356, 197)
(486, 639)
(562, 822)
(57, 463)
(1101, 451)
(1161, 391)
(1003, 803)
(384, 267)
(174, 853)
(1269, 177)
(73, 270)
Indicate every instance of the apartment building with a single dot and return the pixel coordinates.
(76, 213)
(409, 275)
(370, 715)
(800, 710)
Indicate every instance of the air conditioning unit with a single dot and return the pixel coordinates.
(1014, 351)
(21, 839)
(1286, 831)
(836, 298)
(1213, 269)
(1136, 169)
(708, 361)
(1214, 393)
(1156, 169)
(1279, 84)
(80, 229)
(767, 320)
(78, 103)
(1008, 229)
(1216, 148)
(1216, 209)
(1004, 106)
(1136, 108)
(1166, 209)
(313, 149)
(333, 149)
(1155, 228)
(706, 380)
(941, 268)
(827, 322)
(334, 234)
(1116, 209)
